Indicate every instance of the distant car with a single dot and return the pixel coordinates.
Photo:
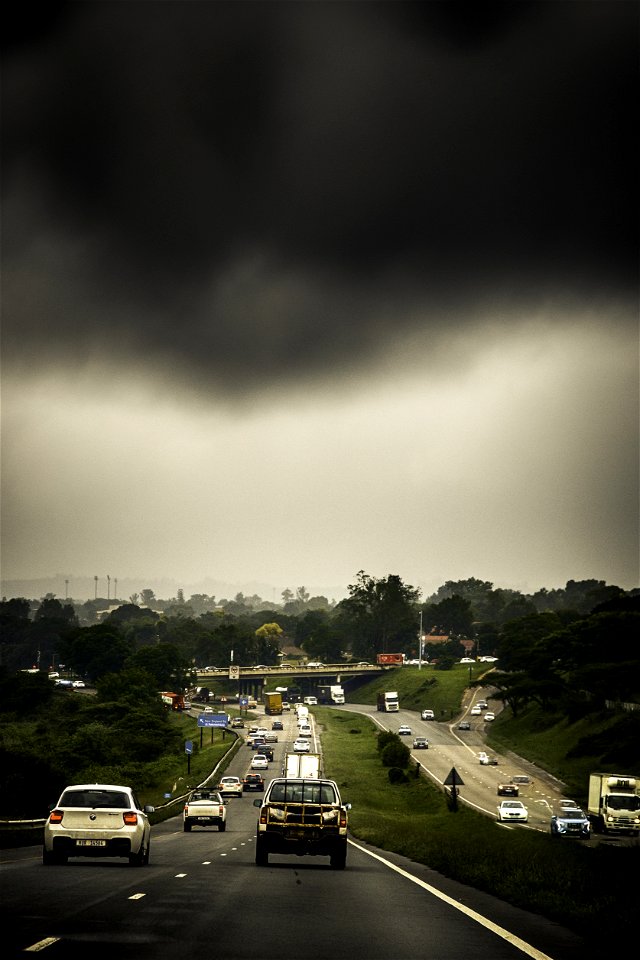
(286, 666)
(261, 732)
(78, 684)
(230, 785)
(277, 725)
(482, 704)
(364, 664)
(427, 715)
(315, 663)
(404, 730)
(475, 711)
(521, 778)
(464, 725)
(420, 743)
(301, 746)
(486, 760)
(489, 716)
(208, 710)
(259, 762)
(286, 705)
(271, 738)
(467, 660)
(570, 822)
(512, 810)
(508, 790)
(253, 781)
(237, 722)
(97, 820)
(304, 730)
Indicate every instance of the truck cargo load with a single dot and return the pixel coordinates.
(303, 765)
(390, 659)
(388, 701)
(330, 693)
(273, 704)
(614, 803)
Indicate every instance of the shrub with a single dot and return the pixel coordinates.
(396, 754)
(396, 775)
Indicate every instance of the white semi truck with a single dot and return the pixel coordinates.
(388, 701)
(614, 803)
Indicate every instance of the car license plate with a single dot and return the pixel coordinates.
(91, 843)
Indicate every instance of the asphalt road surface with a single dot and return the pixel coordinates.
(203, 896)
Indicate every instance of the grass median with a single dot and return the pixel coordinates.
(561, 879)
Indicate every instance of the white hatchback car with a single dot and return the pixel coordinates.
(97, 820)
(230, 785)
(301, 746)
(260, 762)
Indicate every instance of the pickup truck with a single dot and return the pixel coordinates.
(205, 808)
(299, 816)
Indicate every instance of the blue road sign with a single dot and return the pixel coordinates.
(212, 720)
(188, 746)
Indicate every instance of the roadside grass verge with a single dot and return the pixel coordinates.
(571, 750)
(559, 879)
(422, 688)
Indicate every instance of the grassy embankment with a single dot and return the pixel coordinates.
(562, 880)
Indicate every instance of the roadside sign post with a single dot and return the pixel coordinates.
(453, 780)
(188, 749)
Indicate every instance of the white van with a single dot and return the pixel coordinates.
(311, 701)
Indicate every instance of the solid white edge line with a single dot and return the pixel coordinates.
(483, 921)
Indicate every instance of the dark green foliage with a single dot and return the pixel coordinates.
(397, 775)
(23, 693)
(614, 745)
(385, 737)
(396, 754)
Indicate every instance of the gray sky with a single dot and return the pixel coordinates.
(294, 290)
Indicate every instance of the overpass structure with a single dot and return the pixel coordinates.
(254, 680)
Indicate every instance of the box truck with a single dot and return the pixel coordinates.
(273, 704)
(614, 803)
(303, 765)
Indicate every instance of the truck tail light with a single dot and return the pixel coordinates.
(130, 819)
(56, 816)
(343, 818)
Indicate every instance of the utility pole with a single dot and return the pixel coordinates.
(95, 596)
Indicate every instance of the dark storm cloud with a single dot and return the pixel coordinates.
(230, 186)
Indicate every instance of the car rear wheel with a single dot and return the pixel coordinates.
(141, 858)
(222, 826)
(187, 827)
(262, 855)
(338, 859)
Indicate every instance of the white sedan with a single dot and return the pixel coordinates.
(489, 716)
(512, 810)
(301, 746)
(404, 730)
(259, 762)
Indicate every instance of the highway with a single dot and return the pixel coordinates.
(202, 895)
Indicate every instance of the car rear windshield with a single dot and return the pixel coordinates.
(303, 793)
(95, 798)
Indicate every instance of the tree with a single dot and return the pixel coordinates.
(147, 596)
(378, 616)
(453, 615)
(165, 664)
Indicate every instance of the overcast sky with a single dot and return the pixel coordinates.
(292, 290)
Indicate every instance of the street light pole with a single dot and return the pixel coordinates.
(420, 644)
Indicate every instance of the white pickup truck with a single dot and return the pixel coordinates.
(205, 808)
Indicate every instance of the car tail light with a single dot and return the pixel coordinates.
(56, 816)
(130, 819)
